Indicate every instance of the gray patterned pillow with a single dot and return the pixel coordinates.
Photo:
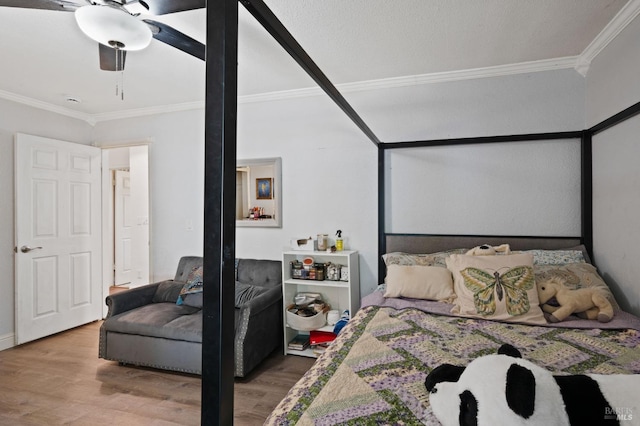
(575, 276)
(428, 259)
(191, 293)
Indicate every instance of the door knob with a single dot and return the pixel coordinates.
(26, 249)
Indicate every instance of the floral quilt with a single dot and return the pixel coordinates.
(374, 372)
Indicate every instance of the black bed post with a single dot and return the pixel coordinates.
(586, 198)
(219, 212)
(382, 241)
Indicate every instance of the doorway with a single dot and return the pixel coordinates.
(126, 221)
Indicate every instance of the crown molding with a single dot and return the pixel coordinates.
(46, 106)
(139, 112)
(469, 74)
(385, 83)
(415, 80)
(619, 22)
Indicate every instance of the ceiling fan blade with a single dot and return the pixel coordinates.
(111, 59)
(61, 5)
(161, 7)
(175, 38)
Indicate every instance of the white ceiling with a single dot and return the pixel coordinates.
(46, 59)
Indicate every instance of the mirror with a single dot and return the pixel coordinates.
(259, 193)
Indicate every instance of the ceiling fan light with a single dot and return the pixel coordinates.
(113, 27)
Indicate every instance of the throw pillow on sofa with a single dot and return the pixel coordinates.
(191, 293)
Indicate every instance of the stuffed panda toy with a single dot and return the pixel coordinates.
(505, 389)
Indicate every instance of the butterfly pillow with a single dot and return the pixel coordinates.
(496, 287)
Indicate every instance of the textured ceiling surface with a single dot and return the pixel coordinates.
(47, 59)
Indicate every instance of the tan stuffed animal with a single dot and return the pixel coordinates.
(487, 250)
(588, 303)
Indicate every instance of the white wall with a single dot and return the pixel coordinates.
(612, 79)
(612, 86)
(518, 188)
(15, 118)
(140, 236)
(616, 210)
(549, 101)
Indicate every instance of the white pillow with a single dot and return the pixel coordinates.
(419, 282)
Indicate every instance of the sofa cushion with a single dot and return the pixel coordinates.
(185, 265)
(267, 273)
(166, 320)
(247, 292)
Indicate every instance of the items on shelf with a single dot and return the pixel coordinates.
(256, 213)
(339, 240)
(333, 271)
(342, 322)
(308, 269)
(317, 337)
(319, 341)
(322, 242)
(298, 290)
(319, 349)
(299, 343)
(302, 244)
(333, 316)
(344, 273)
(308, 312)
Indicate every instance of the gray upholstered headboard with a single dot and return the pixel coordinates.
(422, 243)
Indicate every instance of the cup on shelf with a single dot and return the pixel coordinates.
(332, 317)
(322, 242)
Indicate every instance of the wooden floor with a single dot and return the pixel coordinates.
(60, 380)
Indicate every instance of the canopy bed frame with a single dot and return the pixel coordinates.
(220, 166)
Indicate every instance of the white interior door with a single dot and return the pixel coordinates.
(123, 225)
(57, 235)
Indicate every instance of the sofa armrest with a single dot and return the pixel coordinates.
(130, 299)
(259, 330)
(266, 299)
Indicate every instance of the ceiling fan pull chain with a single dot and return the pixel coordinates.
(117, 67)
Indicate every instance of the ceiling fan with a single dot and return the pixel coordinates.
(117, 27)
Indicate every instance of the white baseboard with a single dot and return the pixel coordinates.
(7, 341)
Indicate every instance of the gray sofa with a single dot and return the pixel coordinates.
(144, 326)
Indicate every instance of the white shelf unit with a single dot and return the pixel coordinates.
(340, 295)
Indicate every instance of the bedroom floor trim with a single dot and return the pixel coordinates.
(60, 380)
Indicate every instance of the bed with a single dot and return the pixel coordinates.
(374, 371)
